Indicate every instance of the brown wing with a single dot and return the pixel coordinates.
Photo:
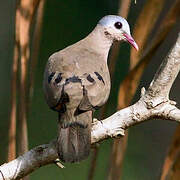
(61, 86)
(79, 83)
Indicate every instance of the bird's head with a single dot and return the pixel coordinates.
(117, 28)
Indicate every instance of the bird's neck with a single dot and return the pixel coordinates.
(98, 42)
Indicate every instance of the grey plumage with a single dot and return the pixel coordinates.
(77, 81)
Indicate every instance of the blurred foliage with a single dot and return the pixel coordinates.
(64, 23)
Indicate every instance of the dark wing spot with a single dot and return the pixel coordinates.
(58, 78)
(84, 105)
(73, 79)
(99, 77)
(90, 79)
(61, 105)
(50, 77)
(96, 107)
(78, 111)
(61, 108)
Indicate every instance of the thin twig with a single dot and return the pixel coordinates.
(58, 164)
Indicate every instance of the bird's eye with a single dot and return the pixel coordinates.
(118, 25)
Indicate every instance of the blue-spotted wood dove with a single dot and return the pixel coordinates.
(77, 81)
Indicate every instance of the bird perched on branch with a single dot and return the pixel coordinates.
(77, 82)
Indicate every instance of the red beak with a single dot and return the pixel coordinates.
(131, 41)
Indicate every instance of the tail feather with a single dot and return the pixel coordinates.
(74, 140)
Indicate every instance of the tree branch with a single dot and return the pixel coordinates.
(167, 73)
(153, 103)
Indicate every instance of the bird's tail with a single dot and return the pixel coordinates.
(74, 138)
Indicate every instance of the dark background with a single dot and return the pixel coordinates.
(66, 22)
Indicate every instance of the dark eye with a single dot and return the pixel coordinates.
(118, 25)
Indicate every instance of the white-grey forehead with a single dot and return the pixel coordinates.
(110, 20)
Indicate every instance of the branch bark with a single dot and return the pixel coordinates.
(153, 103)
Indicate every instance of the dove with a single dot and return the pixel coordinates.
(77, 82)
